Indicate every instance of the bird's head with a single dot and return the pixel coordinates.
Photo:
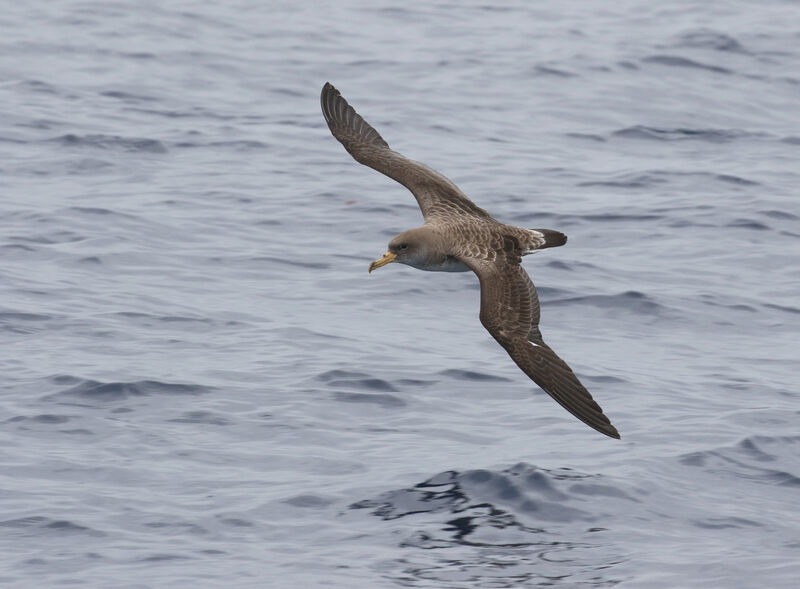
(411, 247)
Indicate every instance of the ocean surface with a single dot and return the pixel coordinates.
(203, 387)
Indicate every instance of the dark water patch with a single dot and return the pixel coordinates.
(239, 145)
(13, 316)
(23, 323)
(163, 557)
(52, 238)
(13, 140)
(171, 322)
(176, 528)
(416, 382)
(293, 262)
(721, 523)
(99, 211)
(617, 217)
(201, 417)
(337, 374)
(41, 526)
(735, 180)
(633, 301)
(782, 308)
(791, 140)
(382, 399)
(91, 261)
(749, 224)
(683, 134)
(543, 70)
(87, 165)
(559, 265)
(112, 143)
(603, 379)
(775, 214)
(308, 501)
(190, 113)
(750, 447)
(588, 136)
(710, 39)
(458, 374)
(678, 61)
(39, 87)
(128, 96)
(631, 181)
(301, 337)
(656, 177)
(18, 247)
(722, 302)
(237, 522)
(45, 418)
(367, 383)
(94, 391)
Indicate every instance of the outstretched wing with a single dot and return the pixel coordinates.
(436, 195)
(510, 312)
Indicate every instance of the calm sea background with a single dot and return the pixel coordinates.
(203, 387)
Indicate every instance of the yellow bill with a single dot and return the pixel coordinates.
(387, 258)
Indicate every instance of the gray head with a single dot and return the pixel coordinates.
(415, 247)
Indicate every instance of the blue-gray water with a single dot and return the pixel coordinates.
(203, 387)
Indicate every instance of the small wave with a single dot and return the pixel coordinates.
(113, 143)
(751, 459)
(656, 177)
(240, 145)
(774, 214)
(710, 39)
(551, 71)
(720, 523)
(23, 323)
(472, 375)
(308, 501)
(92, 390)
(367, 383)
(630, 181)
(735, 180)
(382, 399)
(41, 525)
(47, 419)
(678, 61)
(682, 134)
(749, 224)
(589, 136)
(631, 300)
(201, 417)
(497, 498)
(128, 96)
(782, 308)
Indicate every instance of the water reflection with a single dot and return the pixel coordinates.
(509, 528)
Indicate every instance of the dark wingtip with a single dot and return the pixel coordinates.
(552, 238)
(327, 98)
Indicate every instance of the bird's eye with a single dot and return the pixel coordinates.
(403, 246)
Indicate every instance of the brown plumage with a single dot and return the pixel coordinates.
(457, 236)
